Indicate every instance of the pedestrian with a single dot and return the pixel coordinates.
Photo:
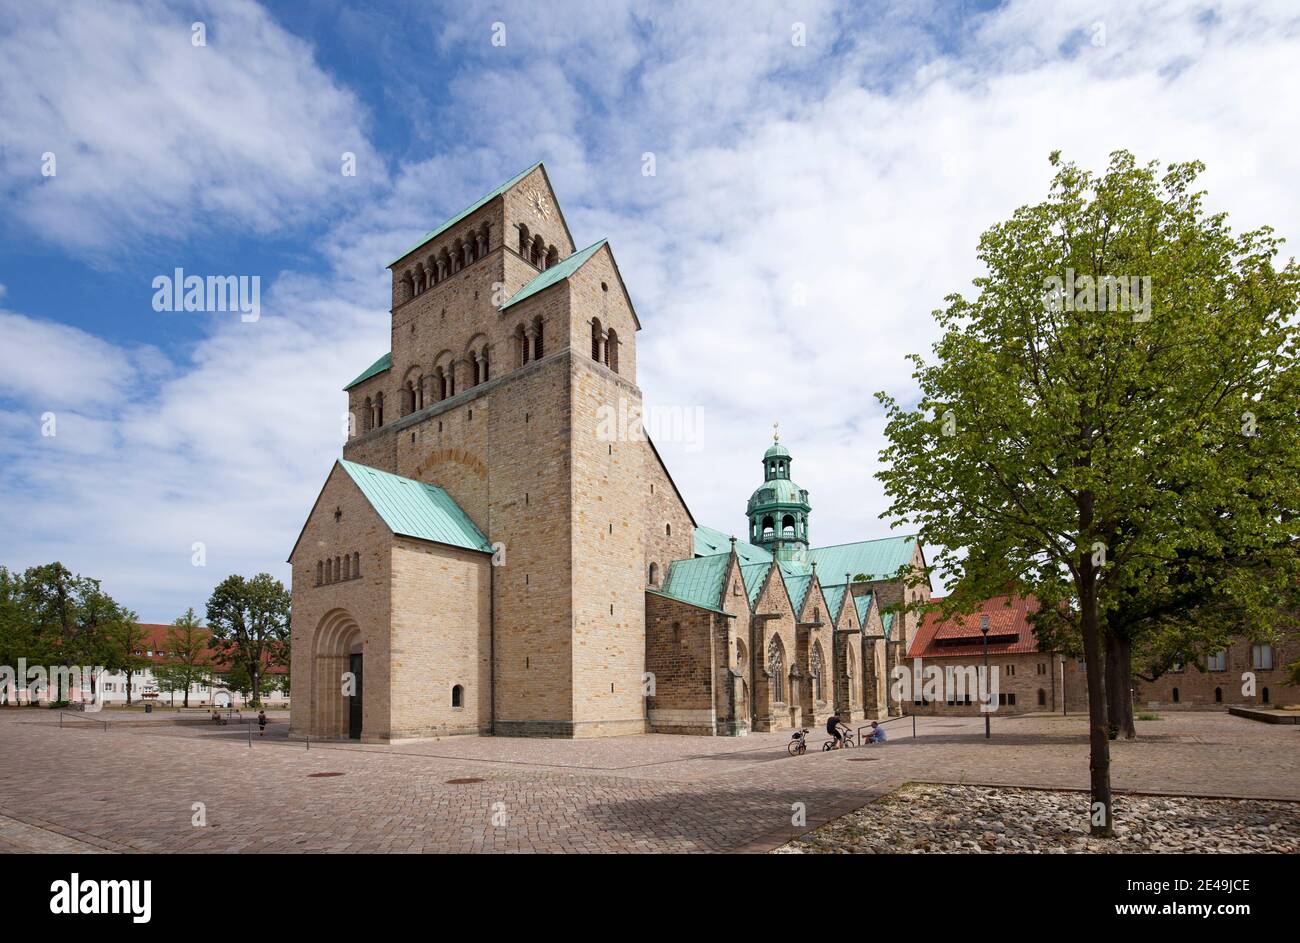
(261, 723)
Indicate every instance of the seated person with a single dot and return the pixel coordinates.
(877, 733)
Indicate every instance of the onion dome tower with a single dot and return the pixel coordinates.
(778, 509)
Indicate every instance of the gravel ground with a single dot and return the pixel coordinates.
(981, 820)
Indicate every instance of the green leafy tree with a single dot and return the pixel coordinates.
(126, 640)
(65, 619)
(189, 662)
(1121, 393)
(249, 621)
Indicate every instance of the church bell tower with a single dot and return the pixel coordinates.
(778, 509)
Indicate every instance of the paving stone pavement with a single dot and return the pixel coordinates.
(133, 788)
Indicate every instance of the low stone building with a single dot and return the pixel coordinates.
(1246, 674)
(1022, 678)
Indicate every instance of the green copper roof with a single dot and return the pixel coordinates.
(835, 599)
(379, 366)
(776, 450)
(710, 541)
(697, 581)
(798, 578)
(878, 559)
(778, 491)
(555, 274)
(435, 233)
(887, 620)
(753, 574)
(415, 509)
(863, 604)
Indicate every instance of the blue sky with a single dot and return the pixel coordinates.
(811, 205)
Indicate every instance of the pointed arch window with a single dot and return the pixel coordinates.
(815, 669)
(776, 669)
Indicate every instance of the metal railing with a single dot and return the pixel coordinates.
(889, 720)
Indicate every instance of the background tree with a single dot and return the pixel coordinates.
(1078, 434)
(249, 621)
(188, 661)
(123, 652)
(65, 619)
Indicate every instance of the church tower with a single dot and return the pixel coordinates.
(498, 505)
(778, 510)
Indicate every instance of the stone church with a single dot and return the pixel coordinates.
(487, 558)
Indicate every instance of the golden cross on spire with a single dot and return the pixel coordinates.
(776, 432)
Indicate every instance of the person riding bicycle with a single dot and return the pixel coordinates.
(833, 725)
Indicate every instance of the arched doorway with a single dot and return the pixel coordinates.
(338, 670)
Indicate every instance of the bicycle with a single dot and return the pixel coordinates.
(798, 744)
(847, 741)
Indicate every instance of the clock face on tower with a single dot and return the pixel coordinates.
(537, 200)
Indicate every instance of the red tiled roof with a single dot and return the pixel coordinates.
(155, 643)
(1009, 630)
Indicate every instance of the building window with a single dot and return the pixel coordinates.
(1217, 662)
(816, 670)
(776, 668)
(1042, 696)
(1011, 671)
(654, 574)
(457, 696)
(1261, 656)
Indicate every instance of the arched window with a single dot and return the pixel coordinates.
(408, 287)
(668, 530)
(787, 526)
(457, 696)
(769, 527)
(1042, 698)
(538, 254)
(1176, 698)
(356, 565)
(596, 336)
(379, 409)
(815, 669)
(408, 398)
(552, 256)
(654, 574)
(776, 668)
(523, 241)
(742, 655)
(320, 572)
(611, 350)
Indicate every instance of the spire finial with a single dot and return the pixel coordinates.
(776, 432)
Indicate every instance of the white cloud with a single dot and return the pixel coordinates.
(155, 138)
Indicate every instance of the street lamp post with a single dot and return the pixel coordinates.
(984, 629)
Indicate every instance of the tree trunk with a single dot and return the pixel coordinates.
(129, 672)
(1119, 687)
(1100, 817)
